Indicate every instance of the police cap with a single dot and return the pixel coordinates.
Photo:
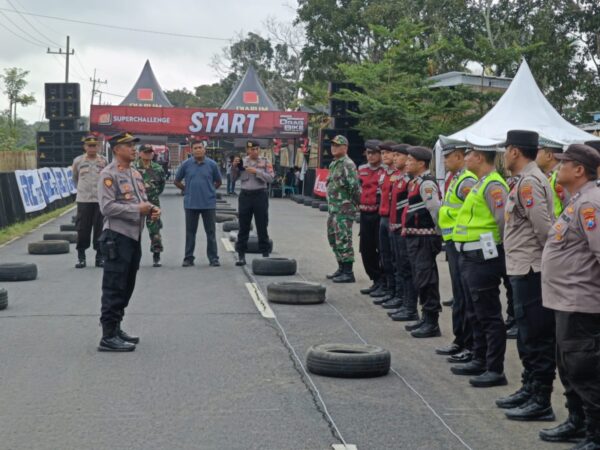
(583, 154)
(420, 153)
(123, 138)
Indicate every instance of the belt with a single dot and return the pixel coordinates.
(468, 246)
(253, 191)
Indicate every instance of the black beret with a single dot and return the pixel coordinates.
(400, 148)
(387, 145)
(420, 153)
(372, 144)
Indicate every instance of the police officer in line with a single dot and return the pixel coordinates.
(343, 198)
(571, 287)
(595, 145)
(124, 204)
(86, 171)
(154, 182)
(528, 218)
(256, 172)
(477, 237)
(369, 175)
(423, 240)
(547, 162)
(460, 185)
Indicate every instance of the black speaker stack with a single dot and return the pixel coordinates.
(64, 142)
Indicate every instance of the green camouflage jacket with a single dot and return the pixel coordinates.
(154, 180)
(343, 187)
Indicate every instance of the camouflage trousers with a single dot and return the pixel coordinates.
(339, 235)
(155, 237)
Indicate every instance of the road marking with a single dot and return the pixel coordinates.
(261, 303)
(344, 447)
(227, 245)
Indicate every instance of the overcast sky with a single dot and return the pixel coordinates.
(118, 55)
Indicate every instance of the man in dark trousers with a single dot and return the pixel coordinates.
(256, 172)
(123, 202)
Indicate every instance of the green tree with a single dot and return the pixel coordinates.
(14, 84)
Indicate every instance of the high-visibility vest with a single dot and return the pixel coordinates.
(475, 217)
(452, 204)
(558, 205)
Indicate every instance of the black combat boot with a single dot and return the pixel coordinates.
(393, 303)
(80, 259)
(111, 342)
(126, 337)
(488, 379)
(347, 275)
(474, 367)
(430, 328)
(537, 408)
(156, 259)
(368, 290)
(405, 314)
(592, 437)
(337, 273)
(99, 260)
(571, 430)
(241, 260)
(519, 398)
(381, 291)
(415, 326)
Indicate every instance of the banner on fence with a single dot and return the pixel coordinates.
(38, 188)
(49, 185)
(69, 177)
(61, 182)
(30, 188)
(320, 188)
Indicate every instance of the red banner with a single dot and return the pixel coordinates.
(184, 121)
(320, 188)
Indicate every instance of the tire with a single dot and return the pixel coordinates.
(348, 360)
(316, 203)
(48, 247)
(296, 293)
(231, 226)
(323, 207)
(3, 299)
(18, 272)
(68, 227)
(274, 266)
(63, 236)
(308, 201)
(220, 218)
(253, 245)
(299, 200)
(74, 219)
(229, 211)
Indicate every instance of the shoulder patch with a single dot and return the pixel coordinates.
(589, 218)
(108, 182)
(496, 194)
(526, 193)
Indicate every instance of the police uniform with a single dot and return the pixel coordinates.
(254, 201)
(120, 192)
(86, 172)
(528, 218)
(459, 186)
(482, 214)
(571, 287)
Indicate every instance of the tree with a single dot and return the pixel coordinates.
(183, 98)
(211, 95)
(14, 84)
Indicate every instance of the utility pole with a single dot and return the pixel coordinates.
(95, 81)
(68, 53)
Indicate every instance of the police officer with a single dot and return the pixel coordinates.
(343, 198)
(478, 238)
(369, 176)
(154, 182)
(123, 202)
(595, 145)
(570, 287)
(548, 164)
(528, 218)
(460, 185)
(86, 171)
(255, 176)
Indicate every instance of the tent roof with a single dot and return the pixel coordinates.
(250, 95)
(146, 91)
(522, 107)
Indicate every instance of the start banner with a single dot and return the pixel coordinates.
(110, 120)
(320, 188)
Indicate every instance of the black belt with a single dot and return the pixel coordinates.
(253, 191)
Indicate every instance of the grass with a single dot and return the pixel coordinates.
(20, 228)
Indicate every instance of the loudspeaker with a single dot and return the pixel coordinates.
(356, 145)
(49, 139)
(62, 101)
(74, 138)
(59, 148)
(64, 124)
(335, 87)
(345, 122)
(62, 91)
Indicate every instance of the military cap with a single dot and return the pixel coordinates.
(339, 140)
(123, 138)
(583, 154)
(420, 153)
(146, 148)
(400, 148)
(252, 143)
(373, 145)
(449, 145)
(556, 147)
(521, 139)
(593, 144)
(387, 145)
(90, 139)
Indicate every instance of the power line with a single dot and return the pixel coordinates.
(29, 23)
(30, 38)
(117, 27)
(45, 25)
(19, 36)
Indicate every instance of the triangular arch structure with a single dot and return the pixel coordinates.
(250, 95)
(147, 91)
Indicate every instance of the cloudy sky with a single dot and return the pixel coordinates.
(118, 55)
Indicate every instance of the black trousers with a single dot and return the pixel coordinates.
(121, 263)
(578, 360)
(481, 282)
(369, 244)
(253, 203)
(386, 254)
(88, 218)
(405, 286)
(192, 217)
(536, 337)
(461, 327)
(422, 251)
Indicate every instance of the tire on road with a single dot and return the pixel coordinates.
(68, 227)
(48, 247)
(323, 206)
(299, 199)
(231, 226)
(316, 203)
(296, 293)
(348, 360)
(308, 201)
(274, 266)
(253, 245)
(220, 218)
(3, 299)
(18, 272)
(62, 236)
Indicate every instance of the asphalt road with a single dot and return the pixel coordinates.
(212, 373)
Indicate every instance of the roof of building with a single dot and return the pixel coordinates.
(450, 79)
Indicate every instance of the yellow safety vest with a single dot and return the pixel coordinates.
(558, 206)
(452, 204)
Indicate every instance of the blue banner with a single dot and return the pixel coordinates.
(30, 188)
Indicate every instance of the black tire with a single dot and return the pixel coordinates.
(3, 299)
(220, 218)
(299, 199)
(231, 226)
(308, 201)
(68, 227)
(48, 247)
(348, 360)
(296, 293)
(62, 236)
(316, 203)
(274, 266)
(231, 211)
(323, 207)
(18, 272)
(253, 245)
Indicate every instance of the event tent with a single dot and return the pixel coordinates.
(146, 91)
(250, 95)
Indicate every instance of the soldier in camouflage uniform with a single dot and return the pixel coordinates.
(343, 198)
(154, 181)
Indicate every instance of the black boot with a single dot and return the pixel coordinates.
(99, 260)
(592, 437)
(156, 259)
(429, 329)
(538, 407)
(405, 315)
(474, 367)
(368, 290)
(381, 291)
(393, 303)
(111, 342)
(488, 379)
(518, 398)
(415, 326)
(347, 275)
(337, 273)
(241, 260)
(572, 430)
(126, 337)
(80, 259)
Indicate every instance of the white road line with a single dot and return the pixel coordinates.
(261, 303)
(344, 447)
(227, 245)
